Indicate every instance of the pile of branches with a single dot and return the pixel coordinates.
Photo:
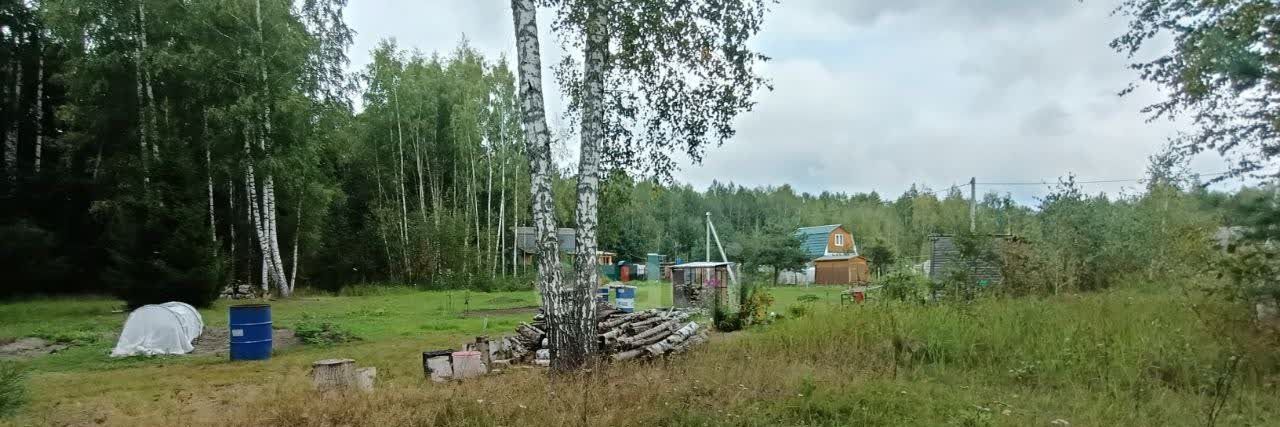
(623, 336)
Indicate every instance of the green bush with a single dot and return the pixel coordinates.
(322, 333)
(13, 388)
(904, 286)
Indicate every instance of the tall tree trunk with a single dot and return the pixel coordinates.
(584, 263)
(297, 232)
(15, 121)
(417, 158)
(557, 300)
(144, 153)
(208, 165)
(231, 225)
(150, 98)
(382, 200)
(268, 182)
(39, 148)
(255, 217)
(500, 248)
(404, 198)
(488, 209)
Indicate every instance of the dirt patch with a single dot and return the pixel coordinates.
(217, 341)
(30, 347)
(493, 312)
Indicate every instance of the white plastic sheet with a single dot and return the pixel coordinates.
(168, 328)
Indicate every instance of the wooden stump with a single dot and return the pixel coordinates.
(333, 374)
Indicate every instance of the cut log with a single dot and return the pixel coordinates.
(627, 355)
(528, 331)
(333, 374)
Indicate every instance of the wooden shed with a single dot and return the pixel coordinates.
(841, 270)
(693, 283)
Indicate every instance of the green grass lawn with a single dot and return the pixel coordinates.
(1122, 357)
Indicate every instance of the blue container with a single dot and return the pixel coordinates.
(626, 298)
(250, 332)
(602, 295)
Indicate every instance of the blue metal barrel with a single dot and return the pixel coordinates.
(602, 295)
(250, 332)
(626, 298)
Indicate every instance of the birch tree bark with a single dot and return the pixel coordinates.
(268, 207)
(11, 134)
(145, 83)
(568, 347)
(39, 126)
(592, 136)
(140, 93)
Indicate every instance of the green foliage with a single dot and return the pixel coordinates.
(1216, 70)
(905, 286)
(13, 388)
(322, 333)
(775, 248)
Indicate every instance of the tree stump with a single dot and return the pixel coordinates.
(365, 378)
(333, 374)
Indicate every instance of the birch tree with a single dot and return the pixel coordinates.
(567, 350)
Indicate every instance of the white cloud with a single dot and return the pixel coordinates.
(877, 95)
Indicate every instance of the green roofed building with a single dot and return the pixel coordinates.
(825, 240)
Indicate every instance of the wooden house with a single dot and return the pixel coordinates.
(527, 243)
(824, 240)
(841, 270)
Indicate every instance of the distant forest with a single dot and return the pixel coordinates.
(159, 146)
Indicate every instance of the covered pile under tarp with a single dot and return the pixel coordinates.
(167, 328)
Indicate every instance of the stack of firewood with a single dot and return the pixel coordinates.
(623, 336)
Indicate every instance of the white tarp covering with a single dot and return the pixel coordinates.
(167, 328)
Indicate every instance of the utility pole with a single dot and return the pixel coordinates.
(973, 204)
(708, 253)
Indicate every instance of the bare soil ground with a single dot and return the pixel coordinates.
(217, 341)
(29, 347)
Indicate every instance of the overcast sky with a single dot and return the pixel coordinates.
(879, 94)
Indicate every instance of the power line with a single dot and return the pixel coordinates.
(1098, 181)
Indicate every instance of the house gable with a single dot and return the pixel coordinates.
(821, 240)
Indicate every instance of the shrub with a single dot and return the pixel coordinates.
(322, 333)
(904, 286)
(13, 388)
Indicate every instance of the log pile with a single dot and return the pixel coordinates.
(623, 336)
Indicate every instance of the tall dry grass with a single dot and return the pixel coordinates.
(1112, 358)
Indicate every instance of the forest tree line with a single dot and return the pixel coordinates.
(154, 147)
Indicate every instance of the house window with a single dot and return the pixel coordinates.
(839, 240)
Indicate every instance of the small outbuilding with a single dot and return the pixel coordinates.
(693, 284)
(841, 270)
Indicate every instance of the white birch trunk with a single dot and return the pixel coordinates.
(501, 248)
(251, 196)
(557, 300)
(143, 134)
(293, 271)
(150, 98)
(417, 158)
(592, 137)
(404, 198)
(231, 224)
(208, 164)
(488, 210)
(11, 136)
(39, 148)
(268, 182)
(382, 197)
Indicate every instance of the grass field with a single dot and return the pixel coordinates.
(1121, 357)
